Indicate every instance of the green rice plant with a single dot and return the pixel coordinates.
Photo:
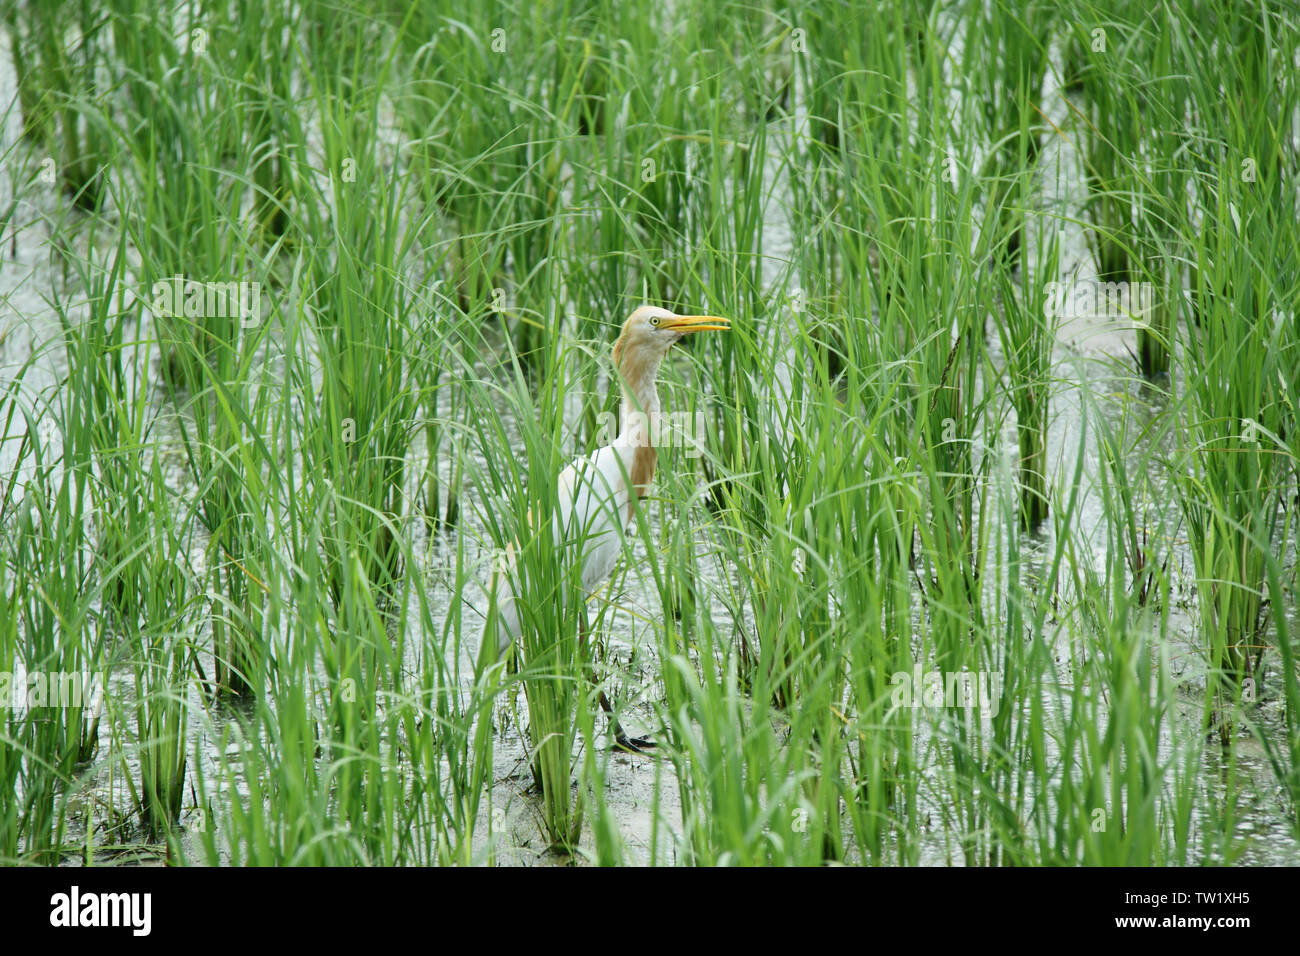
(1254, 43)
(746, 797)
(920, 205)
(225, 455)
(876, 601)
(1244, 117)
(277, 801)
(806, 574)
(262, 35)
(1241, 357)
(111, 412)
(979, 724)
(733, 812)
(1162, 217)
(651, 163)
(452, 743)
(180, 203)
(1112, 45)
(206, 59)
(827, 58)
(947, 351)
(561, 106)
(540, 570)
(758, 406)
(855, 85)
(785, 536)
(466, 95)
(1136, 526)
(1240, 379)
(871, 546)
(51, 606)
(14, 431)
(33, 111)
(139, 556)
(1010, 115)
(1127, 607)
(955, 414)
(1028, 334)
(349, 758)
(227, 70)
(629, 182)
(1072, 764)
(1111, 808)
(359, 420)
(359, 666)
(1240, 110)
(163, 659)
(60, 75)
(446, 211)
(441, 406)
(215, 335)
(792, 613)
(11, 723)
(1284, 755)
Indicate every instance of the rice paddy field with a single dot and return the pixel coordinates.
(973, 542)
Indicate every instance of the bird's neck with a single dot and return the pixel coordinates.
(637, 371)
(636, 415)
(638, 412)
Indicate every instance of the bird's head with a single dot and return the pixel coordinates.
(650, 332)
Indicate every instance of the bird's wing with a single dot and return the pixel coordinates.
(593, 492)
(593, 505)
(595, 499)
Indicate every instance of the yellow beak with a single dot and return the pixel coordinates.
(697, 323)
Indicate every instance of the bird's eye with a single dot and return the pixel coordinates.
(654, 320)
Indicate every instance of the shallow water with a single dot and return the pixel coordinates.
(1092, 357)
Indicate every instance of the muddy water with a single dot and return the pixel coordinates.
(1093, 362)
(642, 792)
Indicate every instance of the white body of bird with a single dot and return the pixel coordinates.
(596, 496)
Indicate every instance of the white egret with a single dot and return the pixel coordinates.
(597, 496)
